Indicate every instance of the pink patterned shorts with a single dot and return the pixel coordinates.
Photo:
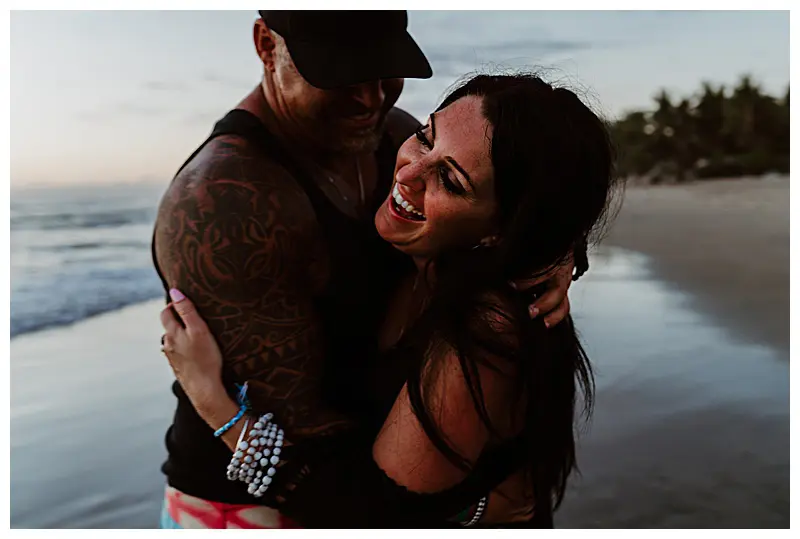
(182, 511)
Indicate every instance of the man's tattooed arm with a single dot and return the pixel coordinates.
(237, 236)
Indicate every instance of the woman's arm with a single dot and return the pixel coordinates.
(398, 479)
(196, 360)
(403, 448)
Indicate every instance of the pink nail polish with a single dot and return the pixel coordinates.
(534, 311)
(176, 295)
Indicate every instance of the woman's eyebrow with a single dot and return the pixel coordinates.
(448, 158)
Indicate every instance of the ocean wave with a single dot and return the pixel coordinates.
(78, 251)
(66, 221)
(64, 299)
(82, 246)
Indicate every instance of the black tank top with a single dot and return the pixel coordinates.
(364, 269)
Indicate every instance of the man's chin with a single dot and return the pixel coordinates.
(360, 143)
(349, 139)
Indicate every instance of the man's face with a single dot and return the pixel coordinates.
(344, 120)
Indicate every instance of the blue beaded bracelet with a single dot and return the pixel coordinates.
(241, 398)
(224, 428)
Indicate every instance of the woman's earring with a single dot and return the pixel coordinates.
(488, 241)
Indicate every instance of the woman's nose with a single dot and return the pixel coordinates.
(412, 175)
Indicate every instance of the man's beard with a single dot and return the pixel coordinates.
(367, 141)
(340, 141)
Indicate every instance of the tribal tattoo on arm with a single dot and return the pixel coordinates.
(238, 236)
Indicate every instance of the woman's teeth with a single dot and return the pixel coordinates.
(404, 203)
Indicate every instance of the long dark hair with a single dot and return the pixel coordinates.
(554, 176)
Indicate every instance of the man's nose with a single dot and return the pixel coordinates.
(369, 94)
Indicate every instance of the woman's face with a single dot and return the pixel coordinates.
(443, 193)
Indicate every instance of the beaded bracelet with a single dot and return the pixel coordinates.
(241, 398)
(224, 428)
(256, 450)
(244, 405)
(478, 512)
(233, 467)
(270, 441)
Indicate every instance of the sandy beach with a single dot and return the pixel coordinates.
(684, 313)
(90, 404)
(726, 242)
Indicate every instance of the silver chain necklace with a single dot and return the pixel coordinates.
(360, 184)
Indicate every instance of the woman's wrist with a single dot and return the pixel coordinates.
(212, 402)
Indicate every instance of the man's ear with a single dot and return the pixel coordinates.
(265, 44)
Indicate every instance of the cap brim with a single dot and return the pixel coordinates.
(330, 66)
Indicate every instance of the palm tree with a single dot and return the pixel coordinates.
(715, 133)
(709, 116)
(741, 114)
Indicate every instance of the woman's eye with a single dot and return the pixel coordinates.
(451, 186)
(420, 134)
(445, 178)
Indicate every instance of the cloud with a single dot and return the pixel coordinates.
(540, 45)
(499, 52)
(230, 82)
(202, 118)
(165, 86)
(138, 109)
(123, 109)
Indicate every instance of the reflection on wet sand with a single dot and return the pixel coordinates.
(691, 428)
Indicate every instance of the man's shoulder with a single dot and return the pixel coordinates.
(232, 176)
(234, 159)
(400, 125)
(233, 194)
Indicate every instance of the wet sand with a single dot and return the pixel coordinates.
(90, 405)
(691, 424)
(726, 242)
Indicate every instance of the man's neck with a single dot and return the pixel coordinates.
(263, 104)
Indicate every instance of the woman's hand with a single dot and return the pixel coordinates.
(554, 303)
(196, 360)
(191, 349)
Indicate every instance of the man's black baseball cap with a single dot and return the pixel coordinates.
(332, 49)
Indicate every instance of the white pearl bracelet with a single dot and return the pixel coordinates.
(237, 455)
(257, 453)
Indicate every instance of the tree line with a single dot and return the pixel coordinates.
(717, 132)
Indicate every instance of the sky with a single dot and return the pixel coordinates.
(126, 96)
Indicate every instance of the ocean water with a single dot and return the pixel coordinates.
(80, 251)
